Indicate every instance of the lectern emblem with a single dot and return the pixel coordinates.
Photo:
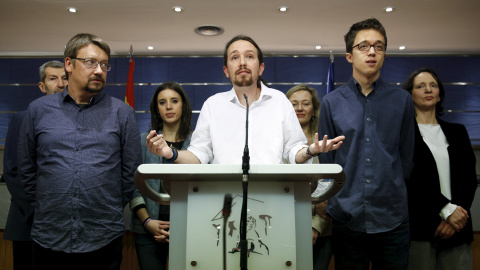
(258, 225)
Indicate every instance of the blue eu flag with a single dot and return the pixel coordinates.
(330, 79)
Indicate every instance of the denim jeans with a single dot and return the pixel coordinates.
(151, 254)
(356, 250)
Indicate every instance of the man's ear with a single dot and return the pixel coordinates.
(225, 70)
(349, 56)
(262, 68)
(68, 64)
(41, 85)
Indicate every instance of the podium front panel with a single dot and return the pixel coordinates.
(278, 226)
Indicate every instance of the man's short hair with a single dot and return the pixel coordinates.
(81, 40)
(246, 38)
(52, 64)
(371, 23)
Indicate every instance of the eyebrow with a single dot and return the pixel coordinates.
(365, 41)
(248, 51)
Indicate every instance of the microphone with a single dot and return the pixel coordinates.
(227, 205)
(243, 214)
(227, 209)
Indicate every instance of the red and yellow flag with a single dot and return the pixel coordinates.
(129, 93)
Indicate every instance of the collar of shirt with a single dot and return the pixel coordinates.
(355, 85)
(264, 93)
(95, 99)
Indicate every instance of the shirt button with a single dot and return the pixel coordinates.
(368, 181)
(367, 139)
(368, 119)
(368, 160)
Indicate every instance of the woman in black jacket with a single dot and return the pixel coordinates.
(442, 185)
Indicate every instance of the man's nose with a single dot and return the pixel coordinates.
(98, 69)
(242, 61)
(61, 83)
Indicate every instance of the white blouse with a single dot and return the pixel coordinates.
(436, 141)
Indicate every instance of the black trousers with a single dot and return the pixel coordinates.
(108, 257)
(22, 255)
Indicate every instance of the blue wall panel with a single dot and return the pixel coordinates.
(26, 70)
(342, 70)
(147, 70)
(203, 76)
(269, 71)
(17, 98)
(203, 92)
(462, 97)
(301, 69)
(5, 70)
(195, 70)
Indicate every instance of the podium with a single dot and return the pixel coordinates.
(279, 217)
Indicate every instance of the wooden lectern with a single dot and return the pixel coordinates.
(279, 212)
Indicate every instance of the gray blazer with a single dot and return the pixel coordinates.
(138, 198)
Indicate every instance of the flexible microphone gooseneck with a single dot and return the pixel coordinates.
(227, 209)
(243, 216)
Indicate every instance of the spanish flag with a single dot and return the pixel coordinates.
(129, 93)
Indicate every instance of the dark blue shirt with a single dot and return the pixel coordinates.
(76, 165)
(376, 154)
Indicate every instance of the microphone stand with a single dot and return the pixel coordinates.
(227, 209)
(243, 216)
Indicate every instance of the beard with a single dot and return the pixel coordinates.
(95, 90)
(242, 82)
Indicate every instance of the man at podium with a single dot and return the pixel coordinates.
(273, 125)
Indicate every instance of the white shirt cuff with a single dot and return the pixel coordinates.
(447, 210)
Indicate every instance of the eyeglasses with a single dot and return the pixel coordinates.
(92, 63)
(365, 47)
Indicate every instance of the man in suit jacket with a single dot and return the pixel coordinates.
(17, 229)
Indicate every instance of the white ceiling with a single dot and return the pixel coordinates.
(43, 27)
